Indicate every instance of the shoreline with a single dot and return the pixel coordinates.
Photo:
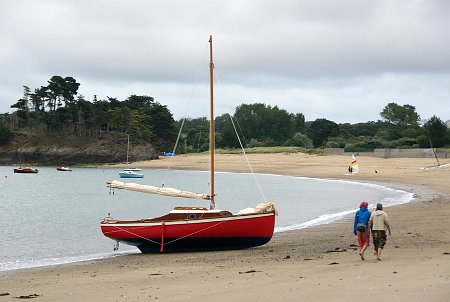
(322, 220)
(313, 263)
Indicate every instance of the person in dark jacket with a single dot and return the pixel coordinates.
(361, 228)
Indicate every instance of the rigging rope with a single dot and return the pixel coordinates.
(131, 233)
(166, 243)
(248, 163)
(242, 147)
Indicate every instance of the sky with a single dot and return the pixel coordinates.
(339, 60)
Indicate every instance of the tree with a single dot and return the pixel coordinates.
(61, 91)
(198, 140)
(300, 140)
(282, 125)
(70, 89)
(196, 134)
(265, 123)
(298, 123)
(161, 121)
(371, 128)
(321, 130)
(140, 125)
(401, 119)
(227, 137)
(22, 107)
(402, 116)
(22, 104)
(38, 99)
(5, 134)
(436, 130)
(101, 109)
(135, 102)
(119, 119)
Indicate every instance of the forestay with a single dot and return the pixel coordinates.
(156, 190)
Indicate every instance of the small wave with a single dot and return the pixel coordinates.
(323, 219)
(405, 197)
(44, 262)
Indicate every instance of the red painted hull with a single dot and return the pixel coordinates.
(235, 232)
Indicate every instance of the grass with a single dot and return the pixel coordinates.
(266, 150)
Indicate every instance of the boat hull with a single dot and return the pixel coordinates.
(31, 171)
(131, 175)
(227, 233)
(204, 244)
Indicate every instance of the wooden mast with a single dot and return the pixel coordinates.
(211, 123)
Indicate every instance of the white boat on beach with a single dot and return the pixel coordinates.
(353, 169)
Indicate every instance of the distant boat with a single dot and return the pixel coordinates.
(169, 154)
(25, 170)
(131, 173)
(66, 169)
(193, 228)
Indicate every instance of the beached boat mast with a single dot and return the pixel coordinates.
(211, 123)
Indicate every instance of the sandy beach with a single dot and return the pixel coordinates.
(315, 264)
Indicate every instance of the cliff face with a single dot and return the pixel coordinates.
(72, 150)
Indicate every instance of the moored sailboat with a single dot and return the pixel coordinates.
(64, 169)
(131, 173)
(26, 170)
(193, 228)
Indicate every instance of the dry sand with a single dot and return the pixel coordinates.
(316, 264)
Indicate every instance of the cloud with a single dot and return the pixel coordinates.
(340, 60)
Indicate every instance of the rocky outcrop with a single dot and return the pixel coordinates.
(71, 150)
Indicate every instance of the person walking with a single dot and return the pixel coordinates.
(361, 228)
(378, 224)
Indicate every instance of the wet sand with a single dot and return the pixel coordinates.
(315, 264)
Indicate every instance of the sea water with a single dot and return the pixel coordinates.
(53, 217)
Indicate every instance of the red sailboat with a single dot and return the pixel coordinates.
(193, 228)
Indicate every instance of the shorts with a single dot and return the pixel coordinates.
(379, 238)
(363, 238)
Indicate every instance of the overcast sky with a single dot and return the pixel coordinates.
(340, 60)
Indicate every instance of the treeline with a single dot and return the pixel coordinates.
(58, 108)
(260, 125)
(254, 124)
